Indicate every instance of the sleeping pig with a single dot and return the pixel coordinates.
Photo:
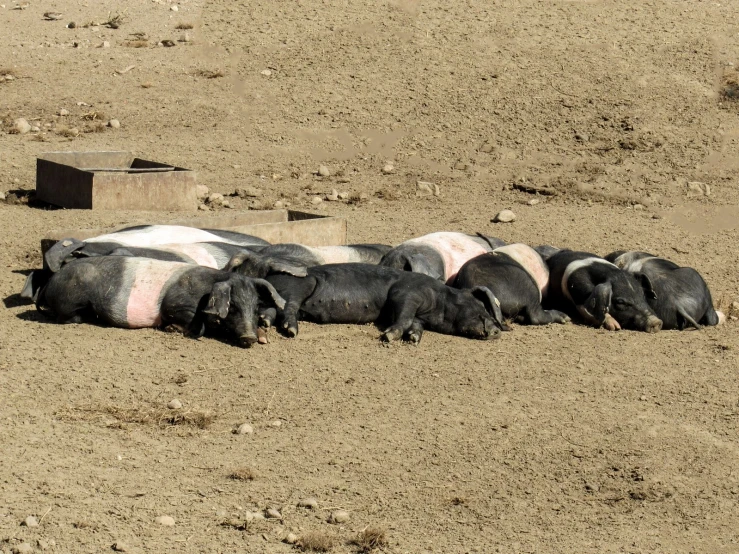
(134, 293)
(404, 303)
(681, 299)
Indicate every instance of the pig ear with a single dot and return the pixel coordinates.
(493, 242)
(280, 266)
(121, 252)
(220, 300)
(491, 303)
(418, 263)
(236, 261)
(35, 281)
(265, 289)
(57, 254)
(646, 284)
(599, 302)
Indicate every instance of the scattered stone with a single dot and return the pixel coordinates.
(167, 43)
(388, 169)
(487, 147)
(215, 199)
(276, 423)
(2, 196)
(9, 78)
(203, 207)
(72, 132)
(167, 521)
(114, 124)
(316, 200)
(174, 404)
(643, 398)
(696, 187)
(120, 546)
(310, 503)
(202, 192)
(291, 538)
(30, 521)
(21, 126)
(71, 25)
(363, 196)
(525, 186)
(333, 196)
(251, 516)
(279, 205)
(227, 204)
(425, 188)
(185, 37)
(533, 202)
(22, 548)
(339, 516)
(104, 44)
(35, 129)
(461, 166)
(248, 192)
(244, 429)
(591, 487)
(266, 72)
(656, 216)
(63, 112)
(504, 216)
(44, 544)
(581, 137)
(52, 16)
(323, 171)
(272, 513)
(174, 8)
(638, 207)
(343, 180)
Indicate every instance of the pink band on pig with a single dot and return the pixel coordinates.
(196, 252)
(456, 249)
(531, 262)
(145, 299)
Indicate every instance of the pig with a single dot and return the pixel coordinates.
(142, 236)
(295, 259)
(682, 298)
(518, 277)
(602, 294)
(404, 303)
(439, 255)
(133, 293)
(546, 251)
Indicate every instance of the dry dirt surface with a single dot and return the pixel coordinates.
(622, 114)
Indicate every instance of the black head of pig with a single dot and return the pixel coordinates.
(477, 314)
(255, 264)
(624, 298)
(236, 303)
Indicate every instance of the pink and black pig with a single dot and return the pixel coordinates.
(295, 259)
(681, 298)
(519, 279)
(133, 293)
(603, 294)
(439, 255)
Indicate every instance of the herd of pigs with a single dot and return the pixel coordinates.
(238, 286)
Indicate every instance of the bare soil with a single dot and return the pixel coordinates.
(554, 439)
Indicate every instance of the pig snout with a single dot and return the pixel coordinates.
(653, 324)
(491, 330)
(248, 340)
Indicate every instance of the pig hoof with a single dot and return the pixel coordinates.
(291, 332)
(391, 335)
(721, 317)
(611, 324)
(262, 336)
(414, 338)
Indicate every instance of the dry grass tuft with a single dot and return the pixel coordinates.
(243, 474)
(370, 538)
(317, 541)
(210, 74)
(184, 26)
(141, 43)
(152, 415)
(114, 21)
(69, 132)
(94, 115)
(388, 194)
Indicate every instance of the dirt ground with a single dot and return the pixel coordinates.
(624, 115)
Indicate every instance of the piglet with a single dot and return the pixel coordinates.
(132, 293)
(681, 299)
(602, 294)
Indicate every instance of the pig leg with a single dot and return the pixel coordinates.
(184, 317)
(267, 317)
(536, 315)
(611, 324)
(415, 333)
(295, 294)
(405, 316)
(688, 319)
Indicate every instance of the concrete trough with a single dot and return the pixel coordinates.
(114, 180)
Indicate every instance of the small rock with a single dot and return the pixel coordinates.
(202, 192)
(71, 25)
(279, 205)
(63, 112)
(343, 195)
(203, 207)
(461, 166)
(291, 538)
(174, 8)
(638, 207)
(735, 307)
(696, 187)
(276, 423)
(363, 196)
(424, 188)
(227, 204)
(504, 216)
(333, 196)
(248, 192)
(581, 137)
(656, 216)
(255, 205)
(215, 199)
(643, 398)
(9, 78)
(339, 516)
(2, 196)
(343, 180)
(310, 503)
(22, 548)
(30, 521)
(114, 124)
(35, 129)
(174, 404)
(244, 429)
(104, 44)
(272, 513)
(533, 202)
(185, 37)
(43, 544)
(316, 200)
(21, 126)
(592, 487)
(266, 72)
(120, 546)
(323, 171)
(388, 169)
(167, 521)
(167, 43)
(487, 147)
(73, 132)
(251, 516)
